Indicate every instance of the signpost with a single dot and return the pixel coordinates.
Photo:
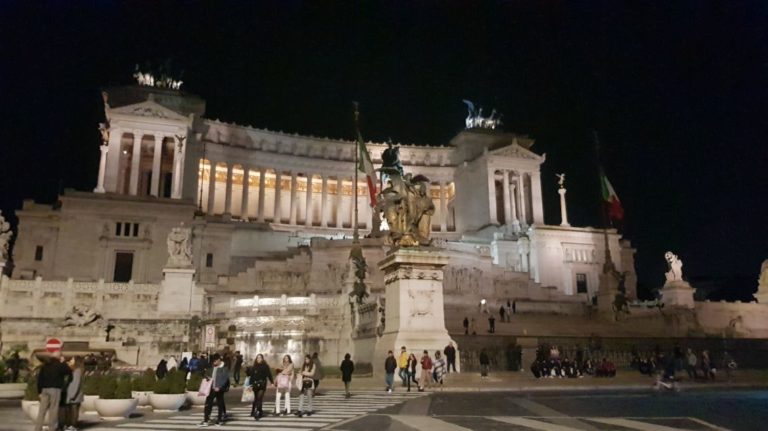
(53, 345)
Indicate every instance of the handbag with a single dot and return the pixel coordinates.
(248, 395)
(283, 382)
(205, 387)
(247, 381)
(307, 383)
(259, 385)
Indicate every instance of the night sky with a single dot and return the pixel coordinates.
(678, 93)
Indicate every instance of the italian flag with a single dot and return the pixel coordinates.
(615, 210)
(365, 165)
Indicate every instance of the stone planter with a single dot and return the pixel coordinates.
(89, 404)
(167, 402)
(195, 400)
(113, 410)
(142, 397)
(12, 390)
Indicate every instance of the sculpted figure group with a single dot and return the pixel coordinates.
(408, 208)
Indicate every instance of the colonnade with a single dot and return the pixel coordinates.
(520, 196)
(293, 197)
(125, 146)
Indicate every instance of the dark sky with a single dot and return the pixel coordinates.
(678, 92)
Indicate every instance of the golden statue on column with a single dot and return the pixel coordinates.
(408, 208)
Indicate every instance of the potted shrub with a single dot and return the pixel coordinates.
(90, 393)
(170, 392)
(31, 402)
(193, 385)
(143, 385)
(115, 401)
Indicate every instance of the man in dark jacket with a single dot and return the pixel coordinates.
(238, 366)
(50, 382)
(390, 365)
(219, 385)
(450, 357)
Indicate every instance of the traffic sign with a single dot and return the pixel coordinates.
(53, 345)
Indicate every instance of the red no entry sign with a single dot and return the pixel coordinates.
(54, 344)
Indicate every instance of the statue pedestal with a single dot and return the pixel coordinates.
(677, 293)
(415, 315)
(178, 293)
(606, 293)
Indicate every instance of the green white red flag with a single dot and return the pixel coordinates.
(615, 210)
(365, 165)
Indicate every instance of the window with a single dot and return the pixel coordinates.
(209, 260)
(126, 229)
(38, 253)
(581, 283)
(123, 266)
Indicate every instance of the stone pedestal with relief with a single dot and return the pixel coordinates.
(677, 293)
(179, 295)
(415, 315)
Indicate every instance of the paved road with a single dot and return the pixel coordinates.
(487, 411)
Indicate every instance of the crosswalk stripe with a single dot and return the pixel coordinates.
(530, 423)
(427, 423)
(635, 425)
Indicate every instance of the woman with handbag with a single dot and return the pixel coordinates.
(258, 377)
(74, 394)
(283, 385)
(306, 384)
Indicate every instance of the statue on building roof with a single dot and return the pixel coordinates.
(561, 180)
(5, 237)
(408, 208)
(475, 119)
(179, 247)
(675, 266)
(763, 280)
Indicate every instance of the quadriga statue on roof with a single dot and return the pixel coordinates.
(408, 208)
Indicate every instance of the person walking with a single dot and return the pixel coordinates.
(690, 364)
(194, 363)
(258, 377)
(319, 374)
(466, 326)
(307, 386)
(485, 364)
(412, 363)
(162, 369)
(438, 368)
(14, 363)
(74, 394)
(219, 376)
(502, 313)
(426, 371)
(450, 357)
(347, 368)
(402, 365)
(491, 324)
(509, 310)
(283, 385)
(52, 378)
(390, 365)
(238, 366)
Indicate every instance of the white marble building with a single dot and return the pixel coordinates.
(272, 212)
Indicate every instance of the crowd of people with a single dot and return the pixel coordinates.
(696, 366)
(550, 364)
(60, 388)
(430, 371)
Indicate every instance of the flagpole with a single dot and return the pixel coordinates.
(608, 266)
(355, 233)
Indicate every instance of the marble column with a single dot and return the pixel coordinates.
(443, 208)
(135, 159)
(323, 203)
(513, 208)
(104, 148)
(505, 197)
(292, 211)
(308, 202)
(211, 187)
(262, 184)
(521, 197)
(113, 176)
(339, 194)
(154, 189)
(228, 191)
(278, 213)
(492, 198)
(178, 168)
(563, 209)
(246, 188)
(536, 199)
